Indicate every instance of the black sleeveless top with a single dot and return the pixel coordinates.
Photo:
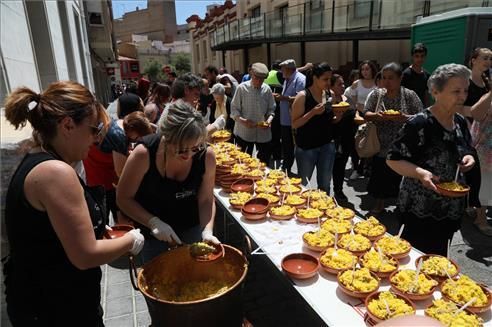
(42, 284)
(174, 202)
(318, 131)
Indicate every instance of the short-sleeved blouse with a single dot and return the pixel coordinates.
(424, 142)
(407, 102)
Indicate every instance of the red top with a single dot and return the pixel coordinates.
(99, 168)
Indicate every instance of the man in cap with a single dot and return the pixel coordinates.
(294, 82)
(253, 109)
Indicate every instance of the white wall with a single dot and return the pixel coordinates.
(57, 40)
(17, 50)
(18, 54)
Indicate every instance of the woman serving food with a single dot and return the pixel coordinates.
(428, 150)
(167, 183)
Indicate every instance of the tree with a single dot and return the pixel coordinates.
(182, 62)
(154, 70)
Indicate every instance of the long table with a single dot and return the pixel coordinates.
(280, 238)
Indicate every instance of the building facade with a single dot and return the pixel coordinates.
(342, 32)
(157, 21)
(47, 41)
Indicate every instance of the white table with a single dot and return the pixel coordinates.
(280, 238)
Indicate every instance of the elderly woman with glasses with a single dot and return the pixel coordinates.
(167, 183)
(429, 149)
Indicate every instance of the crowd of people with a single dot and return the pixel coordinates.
(145, 160)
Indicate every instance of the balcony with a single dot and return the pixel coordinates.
(360, 20)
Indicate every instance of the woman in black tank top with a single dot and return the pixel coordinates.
(55, 223)
(167, 183)
(313, 119)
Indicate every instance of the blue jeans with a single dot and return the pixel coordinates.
(153, 247)
(322, 158)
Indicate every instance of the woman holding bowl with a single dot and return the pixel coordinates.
(391, 96)
(428, 150)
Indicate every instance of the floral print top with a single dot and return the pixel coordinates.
(482, 139)
(424, 142)
(407, 103)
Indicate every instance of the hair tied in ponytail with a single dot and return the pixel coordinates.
(34, 103)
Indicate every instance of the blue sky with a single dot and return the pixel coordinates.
(184, 8)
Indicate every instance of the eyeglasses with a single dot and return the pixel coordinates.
(194, 150)
(97, 130)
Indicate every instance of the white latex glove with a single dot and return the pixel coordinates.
(219, 123)
(138, 241)
(208, 236)
(163, 231)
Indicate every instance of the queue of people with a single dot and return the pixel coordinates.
(147, 162)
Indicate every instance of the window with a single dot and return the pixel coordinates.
(316, 4)
(256, 12)
(134, 67)
(95, 18)
(362, 8)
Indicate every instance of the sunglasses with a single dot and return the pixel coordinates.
(97, 130)
(194, 150)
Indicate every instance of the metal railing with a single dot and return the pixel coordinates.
(370, 15)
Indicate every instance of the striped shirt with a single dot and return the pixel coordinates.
(255, 105)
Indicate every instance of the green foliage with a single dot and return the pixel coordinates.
(153, 69)
(182, 63)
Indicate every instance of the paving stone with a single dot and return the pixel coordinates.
(143, 319)
(121, 321)
(117, 276)
(140, 304)
(115, 291)
(119, 307)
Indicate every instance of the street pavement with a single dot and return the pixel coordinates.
(268, 298)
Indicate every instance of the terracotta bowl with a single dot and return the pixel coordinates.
(359, 121)
(374, 237)
(453, 194)
(340, 109)
(254, 216)
(308, 220)
(236, 206)
(255, 178)
(474, 309)
(411, 296)
(381, 274)
(466, 309)
(280, 217)
(220, 139)
(300, 265)
(314, 247)
(352, 214)
(391, 116)
(356, 253)
(218, 253)
(256, 206)
(375, 295)
(397, 256)
(439, 278)
(299, 206)
(356, 294)
(117, 231)
(243, 185)
(331, 270)
(288, 193)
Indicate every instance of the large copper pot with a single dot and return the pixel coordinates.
(178, 268)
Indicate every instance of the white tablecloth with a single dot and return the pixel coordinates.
(280, 238)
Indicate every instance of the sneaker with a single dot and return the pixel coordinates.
(354, 175)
